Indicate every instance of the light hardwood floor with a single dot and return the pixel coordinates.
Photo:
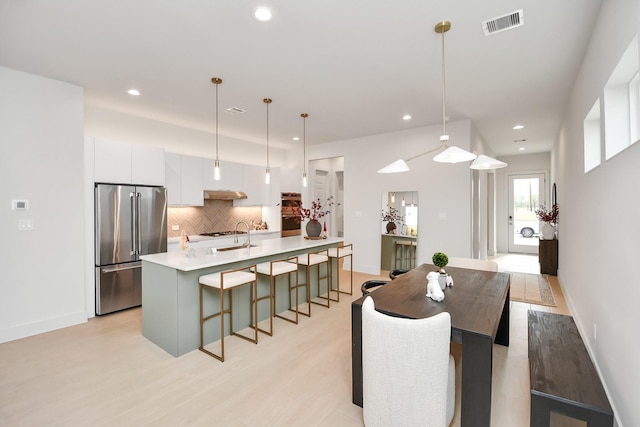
(106, 373)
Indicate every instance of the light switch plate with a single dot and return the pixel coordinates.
(25, 225)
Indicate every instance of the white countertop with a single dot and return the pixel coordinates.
(199, 238)
(204, 258)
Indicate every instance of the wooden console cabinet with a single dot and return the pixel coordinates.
(548, 256)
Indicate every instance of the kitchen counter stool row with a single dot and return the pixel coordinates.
(228, 280)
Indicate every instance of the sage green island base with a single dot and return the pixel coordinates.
(170, 290)
(388, 251)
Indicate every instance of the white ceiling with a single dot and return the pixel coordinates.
(355, 66)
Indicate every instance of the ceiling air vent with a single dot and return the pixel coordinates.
(235, 110)
(503, 23)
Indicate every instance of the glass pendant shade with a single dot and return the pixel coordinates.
(304, 179)
(267, 177)
(454, 154)
(216, 170)
(483, 162)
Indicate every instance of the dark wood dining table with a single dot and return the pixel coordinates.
(479, 307)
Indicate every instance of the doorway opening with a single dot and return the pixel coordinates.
(526, 194)
(327, 179)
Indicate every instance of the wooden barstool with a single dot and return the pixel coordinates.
(223, 281)
(405, 254)
(273, 269)
(338, 254)
(315, 259)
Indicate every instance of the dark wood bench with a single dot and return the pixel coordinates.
(563, 378)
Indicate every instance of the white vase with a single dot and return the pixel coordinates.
(548, 231)
(442, 279)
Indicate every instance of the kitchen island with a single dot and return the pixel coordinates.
(170, 297)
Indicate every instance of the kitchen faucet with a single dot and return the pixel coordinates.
(235, 234)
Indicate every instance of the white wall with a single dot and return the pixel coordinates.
(444, 215)
(599, 237)
(41, 158)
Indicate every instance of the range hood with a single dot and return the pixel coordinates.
(224, 195)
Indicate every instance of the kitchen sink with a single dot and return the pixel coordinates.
(232, 248)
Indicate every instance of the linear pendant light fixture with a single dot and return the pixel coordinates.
(304, 148)
(451, 154)
(267, 176)
(216, 166)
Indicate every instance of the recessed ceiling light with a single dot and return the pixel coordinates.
(296, 138)
(406, 117)
(133, 92)
(521, 149)
(518, 127)
(235, 110)
(262, 14)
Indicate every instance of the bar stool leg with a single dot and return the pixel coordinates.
(326, 277)
(350, 292)
(270, 298)
(290, 288)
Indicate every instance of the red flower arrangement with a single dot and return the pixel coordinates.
(317, 210)
(549, 216)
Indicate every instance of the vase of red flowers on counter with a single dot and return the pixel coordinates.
(314, 214)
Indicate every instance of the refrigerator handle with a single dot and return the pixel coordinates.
(133, 224)
(138, 208)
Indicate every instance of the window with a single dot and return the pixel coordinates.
(621, 99)
(592, 141)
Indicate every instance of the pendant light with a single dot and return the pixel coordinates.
(450, 154)
(304, 148)
(267, 176)
(483, 162)
(216, 166)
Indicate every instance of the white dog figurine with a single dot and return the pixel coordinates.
(433, 287)
(449, 281)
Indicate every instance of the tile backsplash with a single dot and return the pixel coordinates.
(215, 215)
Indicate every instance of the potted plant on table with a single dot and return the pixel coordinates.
(441, 260)
(549, 219)
(317, 211)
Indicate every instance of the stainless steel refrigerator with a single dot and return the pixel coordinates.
(129, 221)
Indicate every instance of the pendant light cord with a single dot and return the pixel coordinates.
(304, 141)
(444, 109)
(216, 121)
(267, 101)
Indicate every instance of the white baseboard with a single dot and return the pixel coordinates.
(41, 326)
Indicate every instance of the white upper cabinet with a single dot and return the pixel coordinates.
(258, 192)
(290, 180)
(122, 163)
(230, 176)
(112, 162)
(184, 180)
(147, 165)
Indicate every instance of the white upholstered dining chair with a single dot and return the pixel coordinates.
(472, 263)
(408, 375)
